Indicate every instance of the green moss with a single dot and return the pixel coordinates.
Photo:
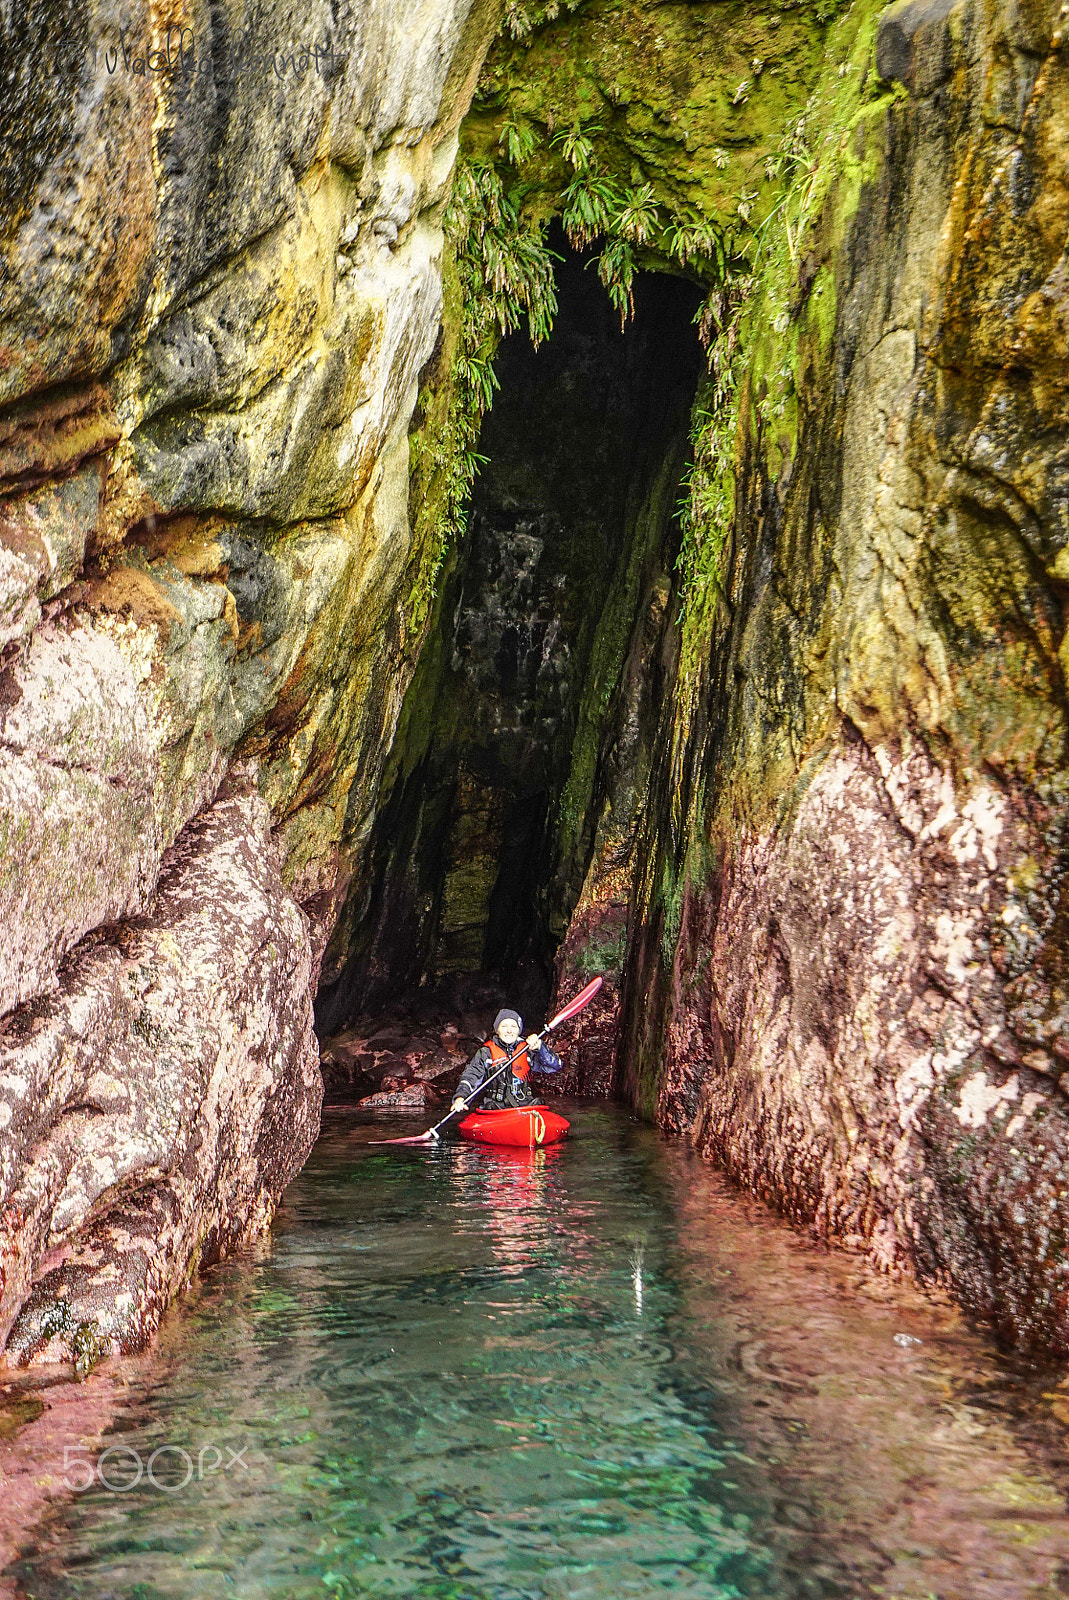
(602, 956)
(649, 1088)
(681, 879)
(688, 97)
(17, 1412)
(672, 890)
(821, 310)
(721, 142)
(88, 1347)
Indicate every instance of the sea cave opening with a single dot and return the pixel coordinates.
(518, 732)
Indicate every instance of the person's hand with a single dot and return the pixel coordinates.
(459, 1103)
(534, 1040)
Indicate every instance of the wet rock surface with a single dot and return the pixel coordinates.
(594, 946)
(844, 1046)
(848, 974)
(220, 277)
(157, 1105)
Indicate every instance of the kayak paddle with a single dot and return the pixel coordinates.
(431, 1135)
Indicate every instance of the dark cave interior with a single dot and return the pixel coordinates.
(572, 521)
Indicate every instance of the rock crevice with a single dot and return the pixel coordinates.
(790, 768)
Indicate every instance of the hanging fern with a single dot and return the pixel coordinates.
(636, 217)
(522, 17)
(516, 141)
(505, 282)
(616, 269)
(505, 274)
(707, 505)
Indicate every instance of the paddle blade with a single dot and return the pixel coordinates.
(581, 999)
(415, 1138)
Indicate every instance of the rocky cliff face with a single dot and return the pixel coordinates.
(220, 277)
(858, 970)
(791, 768)
(897, 913)
(846, 971)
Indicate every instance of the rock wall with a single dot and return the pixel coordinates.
(846, 935)
(829, 829)
(159, 1105)
(848, 980)
(220, 278)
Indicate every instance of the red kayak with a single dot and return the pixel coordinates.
(526, 1126)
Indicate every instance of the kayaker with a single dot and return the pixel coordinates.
(510, 1088)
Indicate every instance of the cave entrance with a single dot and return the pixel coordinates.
(572, 520)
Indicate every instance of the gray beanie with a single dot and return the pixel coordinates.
(504, 1015)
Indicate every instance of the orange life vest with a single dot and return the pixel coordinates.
(521, 1066)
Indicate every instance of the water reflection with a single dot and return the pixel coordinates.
(514, 1190)
(580, 1371)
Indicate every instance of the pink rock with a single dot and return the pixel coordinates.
(191, 1040)
(436, 1068)
(412, 1094)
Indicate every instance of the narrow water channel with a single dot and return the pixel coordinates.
(593, 1370)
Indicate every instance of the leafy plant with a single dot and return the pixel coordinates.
(506, 270)
(517, 141)
(636, 218)
(505, 278)
(799, 168)
(577, 146)
(616, 269)
(522, 17)
(588, 205)
(593, 207)
(504, 275)
(691, 239)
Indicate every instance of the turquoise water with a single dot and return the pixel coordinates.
(471, 1373)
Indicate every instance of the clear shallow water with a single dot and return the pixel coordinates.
(587, 1371)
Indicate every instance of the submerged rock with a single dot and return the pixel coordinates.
(409, 1094)
(372, 1064)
